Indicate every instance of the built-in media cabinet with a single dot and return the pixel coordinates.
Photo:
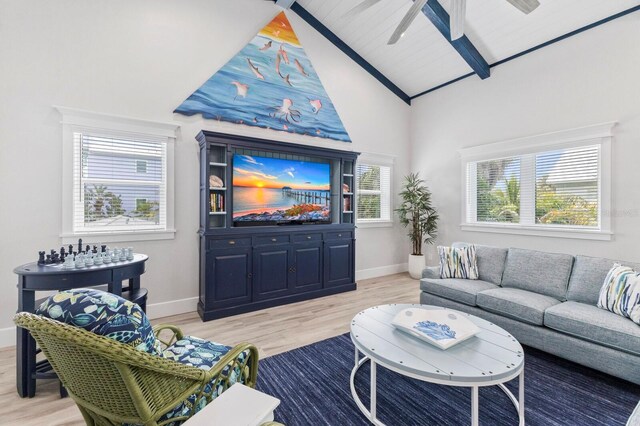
(258, 247)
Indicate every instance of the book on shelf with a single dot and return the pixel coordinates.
(216, 202)
(443, 328)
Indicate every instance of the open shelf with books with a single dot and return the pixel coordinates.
(348, 202)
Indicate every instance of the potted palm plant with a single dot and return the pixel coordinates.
(420, 217)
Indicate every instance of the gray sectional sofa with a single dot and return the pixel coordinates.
(547, 301)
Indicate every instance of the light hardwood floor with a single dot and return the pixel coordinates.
(273, 331)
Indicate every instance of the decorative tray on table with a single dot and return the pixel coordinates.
(440, 327)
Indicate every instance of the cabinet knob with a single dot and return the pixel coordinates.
(339, 235)
(274, 239)
(232, 242)
(308, 237)
(249, 275)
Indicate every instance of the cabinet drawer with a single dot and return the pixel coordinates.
(272, 239)
(228, 243)
(342, 235)
(303, 238)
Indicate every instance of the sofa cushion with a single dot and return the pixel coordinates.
(458, 262)
(490, 262)
(537, 271)
(521, 305)
(103, 313)
(457, 289)
(595, 325)
(587, 277)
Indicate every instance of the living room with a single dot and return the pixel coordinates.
(529, 96)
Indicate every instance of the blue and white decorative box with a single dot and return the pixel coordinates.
(442, 328)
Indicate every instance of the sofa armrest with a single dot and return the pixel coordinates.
(431, 272)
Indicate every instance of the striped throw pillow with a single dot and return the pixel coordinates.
(458, 262)
(620, 292)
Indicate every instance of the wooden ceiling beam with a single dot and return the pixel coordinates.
(440, 18)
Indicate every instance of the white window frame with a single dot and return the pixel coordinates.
(526, 148)
(381, 160)
(76, 120)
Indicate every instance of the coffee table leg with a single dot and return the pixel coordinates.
(521, 397)
(474, 406)
(373, 397)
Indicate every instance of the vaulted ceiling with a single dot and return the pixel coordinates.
(424, 59)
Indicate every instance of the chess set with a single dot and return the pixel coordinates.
(95, 255)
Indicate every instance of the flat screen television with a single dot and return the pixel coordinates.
(273, 191)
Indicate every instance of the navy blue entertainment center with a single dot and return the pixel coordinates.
(288, 232)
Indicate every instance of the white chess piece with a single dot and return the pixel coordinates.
(68, 262)
(114, 255)
(97, 259)
(107, 256)
(88, 260)
(130, 253)
(79, 260)
(123, 255)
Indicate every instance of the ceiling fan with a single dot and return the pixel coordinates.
(456, 17)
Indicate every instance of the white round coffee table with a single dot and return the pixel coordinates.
(492, 357)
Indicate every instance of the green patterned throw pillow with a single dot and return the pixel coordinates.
(620, 292)
(458, 262)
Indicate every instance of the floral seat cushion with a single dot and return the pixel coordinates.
(202, 354)
(105, 314)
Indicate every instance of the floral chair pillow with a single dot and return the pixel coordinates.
(105, 314)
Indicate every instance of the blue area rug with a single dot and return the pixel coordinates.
(313, 384)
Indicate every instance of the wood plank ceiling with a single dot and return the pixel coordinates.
(424, 59)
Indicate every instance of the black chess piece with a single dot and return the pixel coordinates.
(48, 261)
(70, 248)
(55, 258)
(95, 248)
(63, 254)
(104, 248)
(40, 258)
(79, 245)
(87, 249)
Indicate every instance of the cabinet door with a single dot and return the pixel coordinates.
(306, 264)
(271, 272)
(338, 263)
(228, 277)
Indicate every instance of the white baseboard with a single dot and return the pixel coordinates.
(183, 306)
(172, 307)
(381, 271)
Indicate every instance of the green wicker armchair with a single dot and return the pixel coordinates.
(115, 384)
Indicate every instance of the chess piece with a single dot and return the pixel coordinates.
(130, 253)
(80, 260)
(88, 260)
(114, 255)
(87, 248)
(79, 245)
(106, 257)
(103, 247)
(95, 249)
(41, 258)
(69, 263)
(123, 254)
(97, 259)
(48, 261)
(63, 254)
(70, 248)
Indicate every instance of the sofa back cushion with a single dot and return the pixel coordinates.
(537, 271)
(588, 277)
(490, 262)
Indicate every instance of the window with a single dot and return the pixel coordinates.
(373, 201)
(118, 178)
(556, 184)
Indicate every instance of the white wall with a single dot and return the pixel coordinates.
(587, 79)
(142, 58)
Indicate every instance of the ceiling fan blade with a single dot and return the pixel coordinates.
(359, 8)
(416, 7)
(525, 6)
(456, 18)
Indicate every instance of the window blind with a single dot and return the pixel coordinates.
(120, 182)
(559, 187)
(374, 192)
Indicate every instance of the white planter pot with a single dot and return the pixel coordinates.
(416, 265)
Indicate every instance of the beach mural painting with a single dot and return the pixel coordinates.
(271, 84)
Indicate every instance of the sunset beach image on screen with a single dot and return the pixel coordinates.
(273, 190)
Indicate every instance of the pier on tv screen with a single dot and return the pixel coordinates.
(273, 190)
